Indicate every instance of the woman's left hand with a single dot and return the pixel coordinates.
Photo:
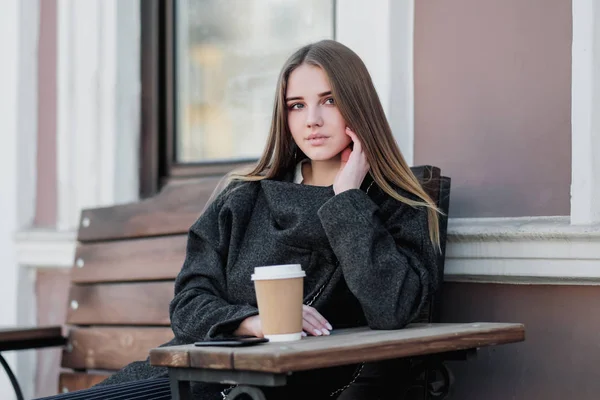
(354, 166)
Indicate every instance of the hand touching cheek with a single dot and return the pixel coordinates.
(354, 166)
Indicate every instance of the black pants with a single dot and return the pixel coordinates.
(147, 389)
(378, 381)
(158, 389)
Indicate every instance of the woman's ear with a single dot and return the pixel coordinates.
(351, 145)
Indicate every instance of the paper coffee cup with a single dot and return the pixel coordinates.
(279, 293)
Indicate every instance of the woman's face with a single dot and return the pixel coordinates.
(313, 117)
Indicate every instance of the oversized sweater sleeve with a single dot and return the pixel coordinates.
(388, 265)
(199, 309)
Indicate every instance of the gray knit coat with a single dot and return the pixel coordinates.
(368, 261)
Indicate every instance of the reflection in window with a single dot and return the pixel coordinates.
(228, 57)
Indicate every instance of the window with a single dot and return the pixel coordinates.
(209, 70)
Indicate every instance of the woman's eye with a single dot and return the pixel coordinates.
(329, 100)
(296, 106)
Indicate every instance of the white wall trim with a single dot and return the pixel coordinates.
(128, 97)
(19, 30)
(98, 105)
(518, 228)
(523, 250)
(106, 116)
(24, 300)
(64, 69)
(45, 249)
(585, 95)
(9, 76)
(381, 33)
(402, 94)
(507, 250)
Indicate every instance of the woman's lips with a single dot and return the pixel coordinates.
(318, 141)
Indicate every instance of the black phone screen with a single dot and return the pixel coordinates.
(232, 341)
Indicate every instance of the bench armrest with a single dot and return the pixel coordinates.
(21, 338)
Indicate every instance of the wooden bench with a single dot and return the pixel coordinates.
(122, 280)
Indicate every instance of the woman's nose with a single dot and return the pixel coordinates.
(314, 117)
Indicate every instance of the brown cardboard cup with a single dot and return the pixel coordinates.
(279, 292)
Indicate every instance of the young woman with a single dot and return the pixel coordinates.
(331, 192)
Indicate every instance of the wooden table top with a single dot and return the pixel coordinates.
(29, 333)
(344, 346)
(17, 338)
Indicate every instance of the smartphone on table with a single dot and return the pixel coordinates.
(233, 341)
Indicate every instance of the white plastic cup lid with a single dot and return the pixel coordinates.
(278, 272)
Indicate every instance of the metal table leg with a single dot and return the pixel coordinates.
(12, 378)
(254, 392)
(180, 389)
(246, 381)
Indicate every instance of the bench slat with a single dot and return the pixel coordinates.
(158, 258)
(72, 381)
(111, 348)
(175, 209)
(170, 212)
(144, 303)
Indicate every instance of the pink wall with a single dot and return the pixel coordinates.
(493, 103)
(46, 198)
(52, 290)
(52, 284)
(559, 357)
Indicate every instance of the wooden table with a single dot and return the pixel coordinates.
(269, 364)
(19, 338)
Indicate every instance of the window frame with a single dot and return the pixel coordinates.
(158, 122)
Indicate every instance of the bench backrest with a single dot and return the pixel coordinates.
(124, 269)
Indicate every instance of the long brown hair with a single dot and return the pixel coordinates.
(355, 96)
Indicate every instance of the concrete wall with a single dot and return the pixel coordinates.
(52, 290)
(558, 359)
(45, 214)
(493, 103)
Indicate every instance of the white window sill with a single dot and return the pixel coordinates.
(522, 250)
(41, 248)
(505, 250)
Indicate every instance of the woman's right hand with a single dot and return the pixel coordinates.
(313, 323)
